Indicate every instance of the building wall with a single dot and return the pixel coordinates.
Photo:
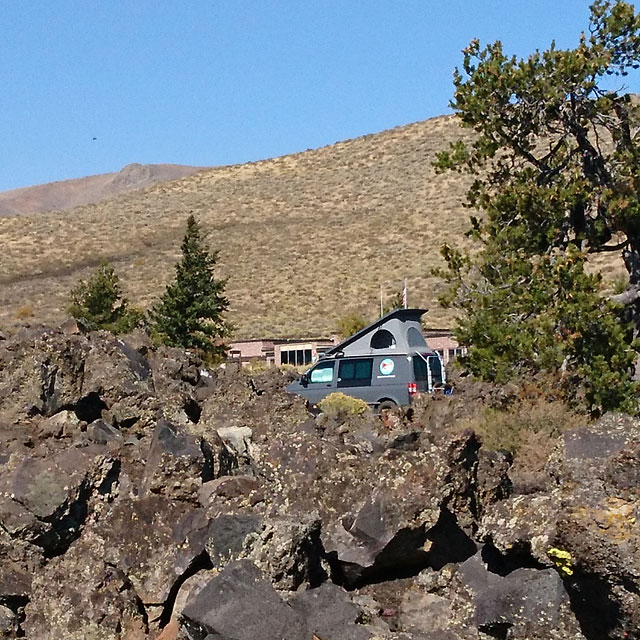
(271, 350)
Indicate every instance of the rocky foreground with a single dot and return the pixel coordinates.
(144, 496)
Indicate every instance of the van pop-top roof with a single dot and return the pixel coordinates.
(398, 331)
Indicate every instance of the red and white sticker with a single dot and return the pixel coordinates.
(386, 366)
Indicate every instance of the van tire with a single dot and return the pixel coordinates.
(385, 404)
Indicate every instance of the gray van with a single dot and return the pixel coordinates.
(384, 364)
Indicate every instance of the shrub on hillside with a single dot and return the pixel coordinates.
(350, 323)
(528, 420)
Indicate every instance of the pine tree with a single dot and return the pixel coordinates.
(99, 303)
(557, 165)
(190, 312)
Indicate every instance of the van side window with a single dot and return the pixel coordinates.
(415, 338)
(322, 373)
(355, 373)
(382, 339)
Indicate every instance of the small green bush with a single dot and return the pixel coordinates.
(338, 404)
(350, 323)
(525, 423)
(99, 304)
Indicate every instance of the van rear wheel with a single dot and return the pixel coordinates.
(385, 404)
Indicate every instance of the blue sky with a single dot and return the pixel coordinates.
(209, 82)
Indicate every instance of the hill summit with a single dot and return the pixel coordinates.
(66, 194)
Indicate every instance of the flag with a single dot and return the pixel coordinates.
(404, 295)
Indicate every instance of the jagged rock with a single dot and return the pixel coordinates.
(151, 540)
(590, 517)
(176, 465)
(101, 432)
(62, 424)
(176, 376)
(240, 604)
(529, 604)
(45, 500)
(329, 613)
(238, 440)
(522, 527)
(526, 604)
(231, 487)
(55, 371)
(396, 527)
(8, 623)
(227, 537)
(427, 612)
(288, 550)
(79, 595)
(112, 517)
(285, 549)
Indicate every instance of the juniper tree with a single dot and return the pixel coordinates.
(98, 303)
(190, 313)
(557, 166)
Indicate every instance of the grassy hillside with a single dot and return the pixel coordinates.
(302, 238)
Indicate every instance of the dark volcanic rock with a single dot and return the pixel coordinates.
(45, 500)
(329, 613)
(138, 488)
(239, 604)
(176, 465)
(80, 596)
(530, 604)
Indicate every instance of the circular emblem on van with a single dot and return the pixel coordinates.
(386, 367)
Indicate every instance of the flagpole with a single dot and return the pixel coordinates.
(404, 294)
(381, 301)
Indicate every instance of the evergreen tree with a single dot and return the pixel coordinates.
(190, 312)
(557, 165)
(99, 303)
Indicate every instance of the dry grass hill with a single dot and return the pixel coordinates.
(303, 238)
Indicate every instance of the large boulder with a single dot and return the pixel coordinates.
(585, 526)
(240, 604)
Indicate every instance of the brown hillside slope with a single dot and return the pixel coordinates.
(66, 194)
(302, 239)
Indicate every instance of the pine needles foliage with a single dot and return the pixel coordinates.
(98, 303)
(190, 313)
(556, 162)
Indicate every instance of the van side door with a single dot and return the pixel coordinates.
(354, 378)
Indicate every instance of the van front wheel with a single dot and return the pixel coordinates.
(385, 404)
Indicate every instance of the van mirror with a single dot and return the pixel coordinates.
(304, 379)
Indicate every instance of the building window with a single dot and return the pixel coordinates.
(295, 357)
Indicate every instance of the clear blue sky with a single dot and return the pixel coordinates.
(211, 82)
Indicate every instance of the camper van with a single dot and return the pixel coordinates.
(384, 364)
